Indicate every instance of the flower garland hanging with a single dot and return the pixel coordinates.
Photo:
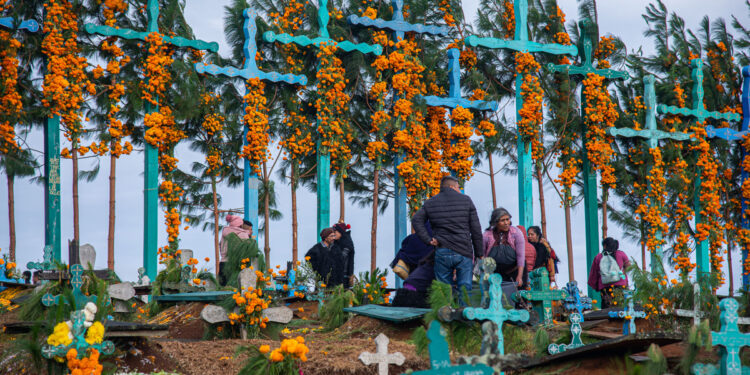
(744, 233)
(212, 125)
(10, 99)
(600, 115)
(332, 106)
(458, 159)
(531, 113)
(651, 210)
(508, 19)
(256, 123)
(379, 120)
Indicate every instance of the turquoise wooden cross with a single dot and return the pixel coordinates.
(454, 99)
(731, 341)
(653, 136)
(151, 165)
(440, 359)
(47, 264)
(399, 28)
(700, 114)
(574, 301)
(575, 330)
(521, 43)
(323, 174)
(629, 315)
(79, 341)
(541, 295)
(76, 281)
(10, 23)
(249, 71)
(590, 188)
(495, 312)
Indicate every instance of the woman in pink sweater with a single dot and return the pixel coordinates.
(501, 232)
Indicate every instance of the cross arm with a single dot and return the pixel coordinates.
(648, 134)
(702, 114)
(725, 133)
(230, 71)
(522, 46)
(30, 25)
(401, 26)
(304, 41)
(482, 105)
(584, 70)
(141, 35)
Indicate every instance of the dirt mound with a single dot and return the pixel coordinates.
(184, 321)
(363, 327)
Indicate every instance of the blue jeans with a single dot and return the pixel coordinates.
(447, 260)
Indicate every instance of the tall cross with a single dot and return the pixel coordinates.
(653, 136)
(399, 28)
(323, 174)
(440, 359)
(495, 312)
(381, 357)
(542, 295)
(249, 71)
(76, 281)
(574, 301)
(700, 114)
(575, 331)
(454, 99)
(79, 340)
(151, 165)
(590, 189)
(629, 315)
(730, 339)
(696, 312)
(521, 43)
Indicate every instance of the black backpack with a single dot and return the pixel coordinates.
(504, 255)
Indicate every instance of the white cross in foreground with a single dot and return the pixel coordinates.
(695, 313)
(382, 357)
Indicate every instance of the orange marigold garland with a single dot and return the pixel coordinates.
(212, 125)
(256, 121)
(600, 115)
(744, 233)
(10, 99)
(651, 210)
(508, 19)
(332, 106)
(85, 366)
(458, 157)
(531, 112)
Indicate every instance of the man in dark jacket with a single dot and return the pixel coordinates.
(457, 234)
(326, 259)
(346, 246)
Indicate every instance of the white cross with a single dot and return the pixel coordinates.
(695, 313)
(382, 357)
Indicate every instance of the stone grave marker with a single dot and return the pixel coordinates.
(121, 291)
(281, 314)
(214, 314)
(575, 330)
(87, 256)
(381, 357)
(574, 301)
(121, 306)
(541, 295)
(695, 313)
(629, 315)
(247, 278)
(440, 360)
(185, 255)
(731, 341)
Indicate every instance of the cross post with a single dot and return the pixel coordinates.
(323, 173)
(541, 295)
(151, 165)
(399, 28)
(575, 330)
(521, 43)
(76, 281)
(440, 360)
(47, 264)
(695, 313)
(629, 315)
(495, 312)
(249, 71)
(700, 114)
(731, 341)
(590, 188)
(574, 301)
(381, 357)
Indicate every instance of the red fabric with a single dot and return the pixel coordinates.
(595, 278)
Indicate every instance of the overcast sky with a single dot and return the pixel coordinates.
(618, 17)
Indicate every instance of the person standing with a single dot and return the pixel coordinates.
(505, 243)
(345, 244)
(607, 271)
(237, 226)
(457, 234)
(326, 260)
(542, 253)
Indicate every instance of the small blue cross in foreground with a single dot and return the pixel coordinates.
(629, 315)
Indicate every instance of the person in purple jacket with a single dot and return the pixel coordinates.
(502, 233)
(611, 247)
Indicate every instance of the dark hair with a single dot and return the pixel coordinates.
(535, 229)
(448, 181)
(496, 215)
(248, 223)
(610, 245)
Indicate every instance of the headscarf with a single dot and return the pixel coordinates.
(235, 226)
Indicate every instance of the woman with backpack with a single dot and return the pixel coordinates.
(505, 243)
(607, 271)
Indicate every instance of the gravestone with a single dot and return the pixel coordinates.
(121, 291)
(214, 314)
(87, 256)
(629, 315)
(121, 306)
(281, 314)
(247, 279)
(185, 255)
(440, 360)
(381, 357)
(574, 301)
(541, 295)
(575, 331)
(695, 313)
(731, 341)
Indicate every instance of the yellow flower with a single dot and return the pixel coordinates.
(95, 333)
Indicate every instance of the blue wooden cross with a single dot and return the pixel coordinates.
(629, 315)
(495, 312)
(521, 43)
(575, 330)
(590, 188)
(454, 99)
(151, 165)
(76, 282)
(79, 341)
(731, 341)
(29, 25)
(399, 28)
(653, 136)
(574, 300)
(440, 359)
(700, 114)
(541, 295)
(250, 70)
(323, 174)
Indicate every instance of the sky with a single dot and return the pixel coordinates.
(617, 17)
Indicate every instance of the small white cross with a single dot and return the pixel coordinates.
(382, 357)
(695, 313)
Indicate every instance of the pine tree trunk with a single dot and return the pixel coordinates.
(266, 216)
(217, 256)
(76, 234)
(374, 229)
(294, 212)
(569, 243)
(492, 181)
(11, 219)
(342, 202)
(729, 264)
(540, 184)
(643, 255)
(111, 226)
(605, 196)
